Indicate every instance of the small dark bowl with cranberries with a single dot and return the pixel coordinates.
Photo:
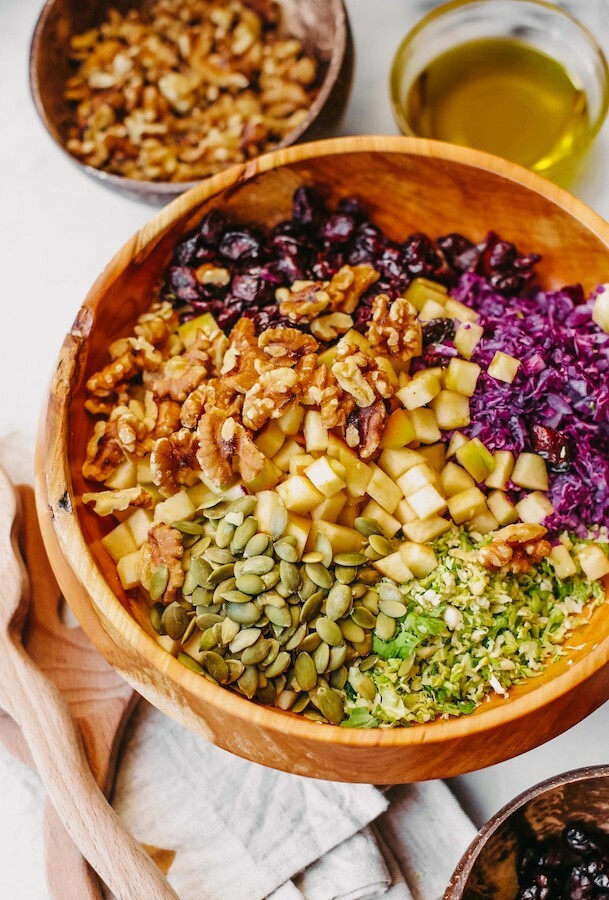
(550, 843)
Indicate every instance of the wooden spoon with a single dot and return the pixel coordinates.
(37, 706)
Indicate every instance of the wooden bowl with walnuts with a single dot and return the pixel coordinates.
(405, 184)
(152, 97)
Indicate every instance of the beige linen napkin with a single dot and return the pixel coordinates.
(243, 832)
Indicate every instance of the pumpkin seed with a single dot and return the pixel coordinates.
(359, 590)
(329, 631)
(385, 626)
(369, 576)
(159, 582)
(278, 616)
(305, 671)
(245, 505)
(202, 597)
(393, 608)
(313, 556)
(331, 705)
(367, 526)
(235, 596)
(248, 681)
(323, 546)
(307, 587)
(366, 688)
(311, 607)
(289, 575)
(349, 559)
(338, 655)
(351, 632)
(224, 534)
(190, 663)
(266, 694)
(271, 578)
(256, 545)
(243, 534)
(201, 545)
(296, 638)
(189, 585)
(345, 574)
(228, 631)
(235, 670)
(285, 550)
(363, 617)
(221, 573)
(319, 575)
(245, 638)
(338, 678)
(250, 584)
(256, 565)
(279, 665)
(338, 602)
(301, 703)
(156, 613)
(220, 556)
(253, 655)
(271, 655)
(217, 510)
(389, 591)
(189, 527)
(243, 613)
(210, 502)
(206, 620)
(371, 602)
(368, 663)
(215, 666)
(321, 657)
(175, 621)
(380, 544)
(311, 642)
(273, 598)
(208, 640)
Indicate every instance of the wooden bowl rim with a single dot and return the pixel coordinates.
(168, 189)
(80, 558)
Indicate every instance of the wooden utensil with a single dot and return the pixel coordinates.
(407, 184)
(38, 707)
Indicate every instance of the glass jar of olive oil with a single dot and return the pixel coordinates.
(521, 79)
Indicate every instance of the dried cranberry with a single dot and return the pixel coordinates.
(552, 446)
(580, 840)
(352, 206)
(240, 244)
(578, 884)
(306, 206)
(183, 284)
(212, 227)
(185, 251)
(368, 244)
(436, 331)
(420, 257)
(338, 228)
(250, 288)
(460, 253)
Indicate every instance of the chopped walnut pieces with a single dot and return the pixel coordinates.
(239, 370)
(157, 330)
(213, 393)
(133, 431)
(347, 286)
(171, 458)
(177, 378)
(104, 452)
(394, 329)
(364, 428)
(273, 394)
(225, 447)
(358, 375)
(106, 502)
(322, 391)
(168, 418)
(104, 383)
(285, 346)
(516, 548)
(208, 351)
(327, 328)
(304, 302)
(100, 407)
(166, 549)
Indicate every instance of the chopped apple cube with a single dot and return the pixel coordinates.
(199, 493)
(357, 473)
(323, 476)
(420, 290)
(476, 459)
(504, 511)
(270, 475)
(384, 490)
(386, 366)
(139, 524)
(460, 311)
(427, 501)
(298, 494)
(299, 463)
(290, 449)
(600, 310)
(388, 523)
(315, 432)
(396, 462)
(467, 337)
(394, 566)
(462, 376)
(501, 474)
(431, 309)
(420, 559)
(120, 542)
(483, 523)
(563, 562)
(128, 568)
(466, 505)
(425, 426)
(456, 441)
(205, 323)
(271, 514)
(398, 432)
(594, 562)
(270, 440)
(454, 479)
(330, 508)
(530, 472)
(416, 478)
(124, 476)
(354, 337)
(435, 455)
(451, 409)
(503, 367)
(346, 516)
(338, 468)
(143, 471)
(534, 508)
(418, 392)
(179, 506)
(299, 527)
(405, 513)
(424, 530)
(291, 421)
(342, 539)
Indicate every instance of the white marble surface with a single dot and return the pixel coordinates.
(58, 228)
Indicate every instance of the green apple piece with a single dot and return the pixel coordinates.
(299, 463)
(299, 527)
(271, 514)
(466, 505)
(460, 311)
(119, 542)
(342, 539)
(384, 490)
(330, 508)
(396, 462)
(454, 479)
(270, 475)
(420, 290)
(127, 568)
(124, 476)
(337, 467)
(424, 387)
(594, 562)
(420, 558)
(315, 432)
(199, 493)
(456, 441)
(398, 432)
(476, 459)
(501, 474)
(143, 471)
(175, 508)
(405, 513)
(394, 566)
(388, 523)
(354, 337)
(298, 494)
(416, 478)
(289, 450)
(270, 440)
(427, 501)
(139, 524)
(191, 647)
(435, 455)
(600, 310)
(462, 376)
(530, 472)
(503, 367)
(467, 337)
(323, 476)
(431, 309)
(386, 366)
(425, 426)
(451, 409)
(483, 523)
(534, 508)
(504, 511)
(291, 421)
(424, 530)
(205, 323)
(327, 356)
(357, 473)
(563, 562)
(346, 516)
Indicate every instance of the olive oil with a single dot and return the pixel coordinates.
(503, 96)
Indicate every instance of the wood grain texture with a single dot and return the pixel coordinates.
(321, 25)
(409, 185)
(55, 744)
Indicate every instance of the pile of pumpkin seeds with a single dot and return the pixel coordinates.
(275, 624)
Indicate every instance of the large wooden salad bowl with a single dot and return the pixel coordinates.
(408, 185)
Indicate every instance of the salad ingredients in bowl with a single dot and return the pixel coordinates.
(359, 479)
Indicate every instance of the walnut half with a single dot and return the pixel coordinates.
(516, 548)
(394, 329)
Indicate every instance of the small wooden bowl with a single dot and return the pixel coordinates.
(408, 185)
(487, 869)
(321, 25)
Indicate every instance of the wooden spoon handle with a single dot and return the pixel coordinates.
(69, 875)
